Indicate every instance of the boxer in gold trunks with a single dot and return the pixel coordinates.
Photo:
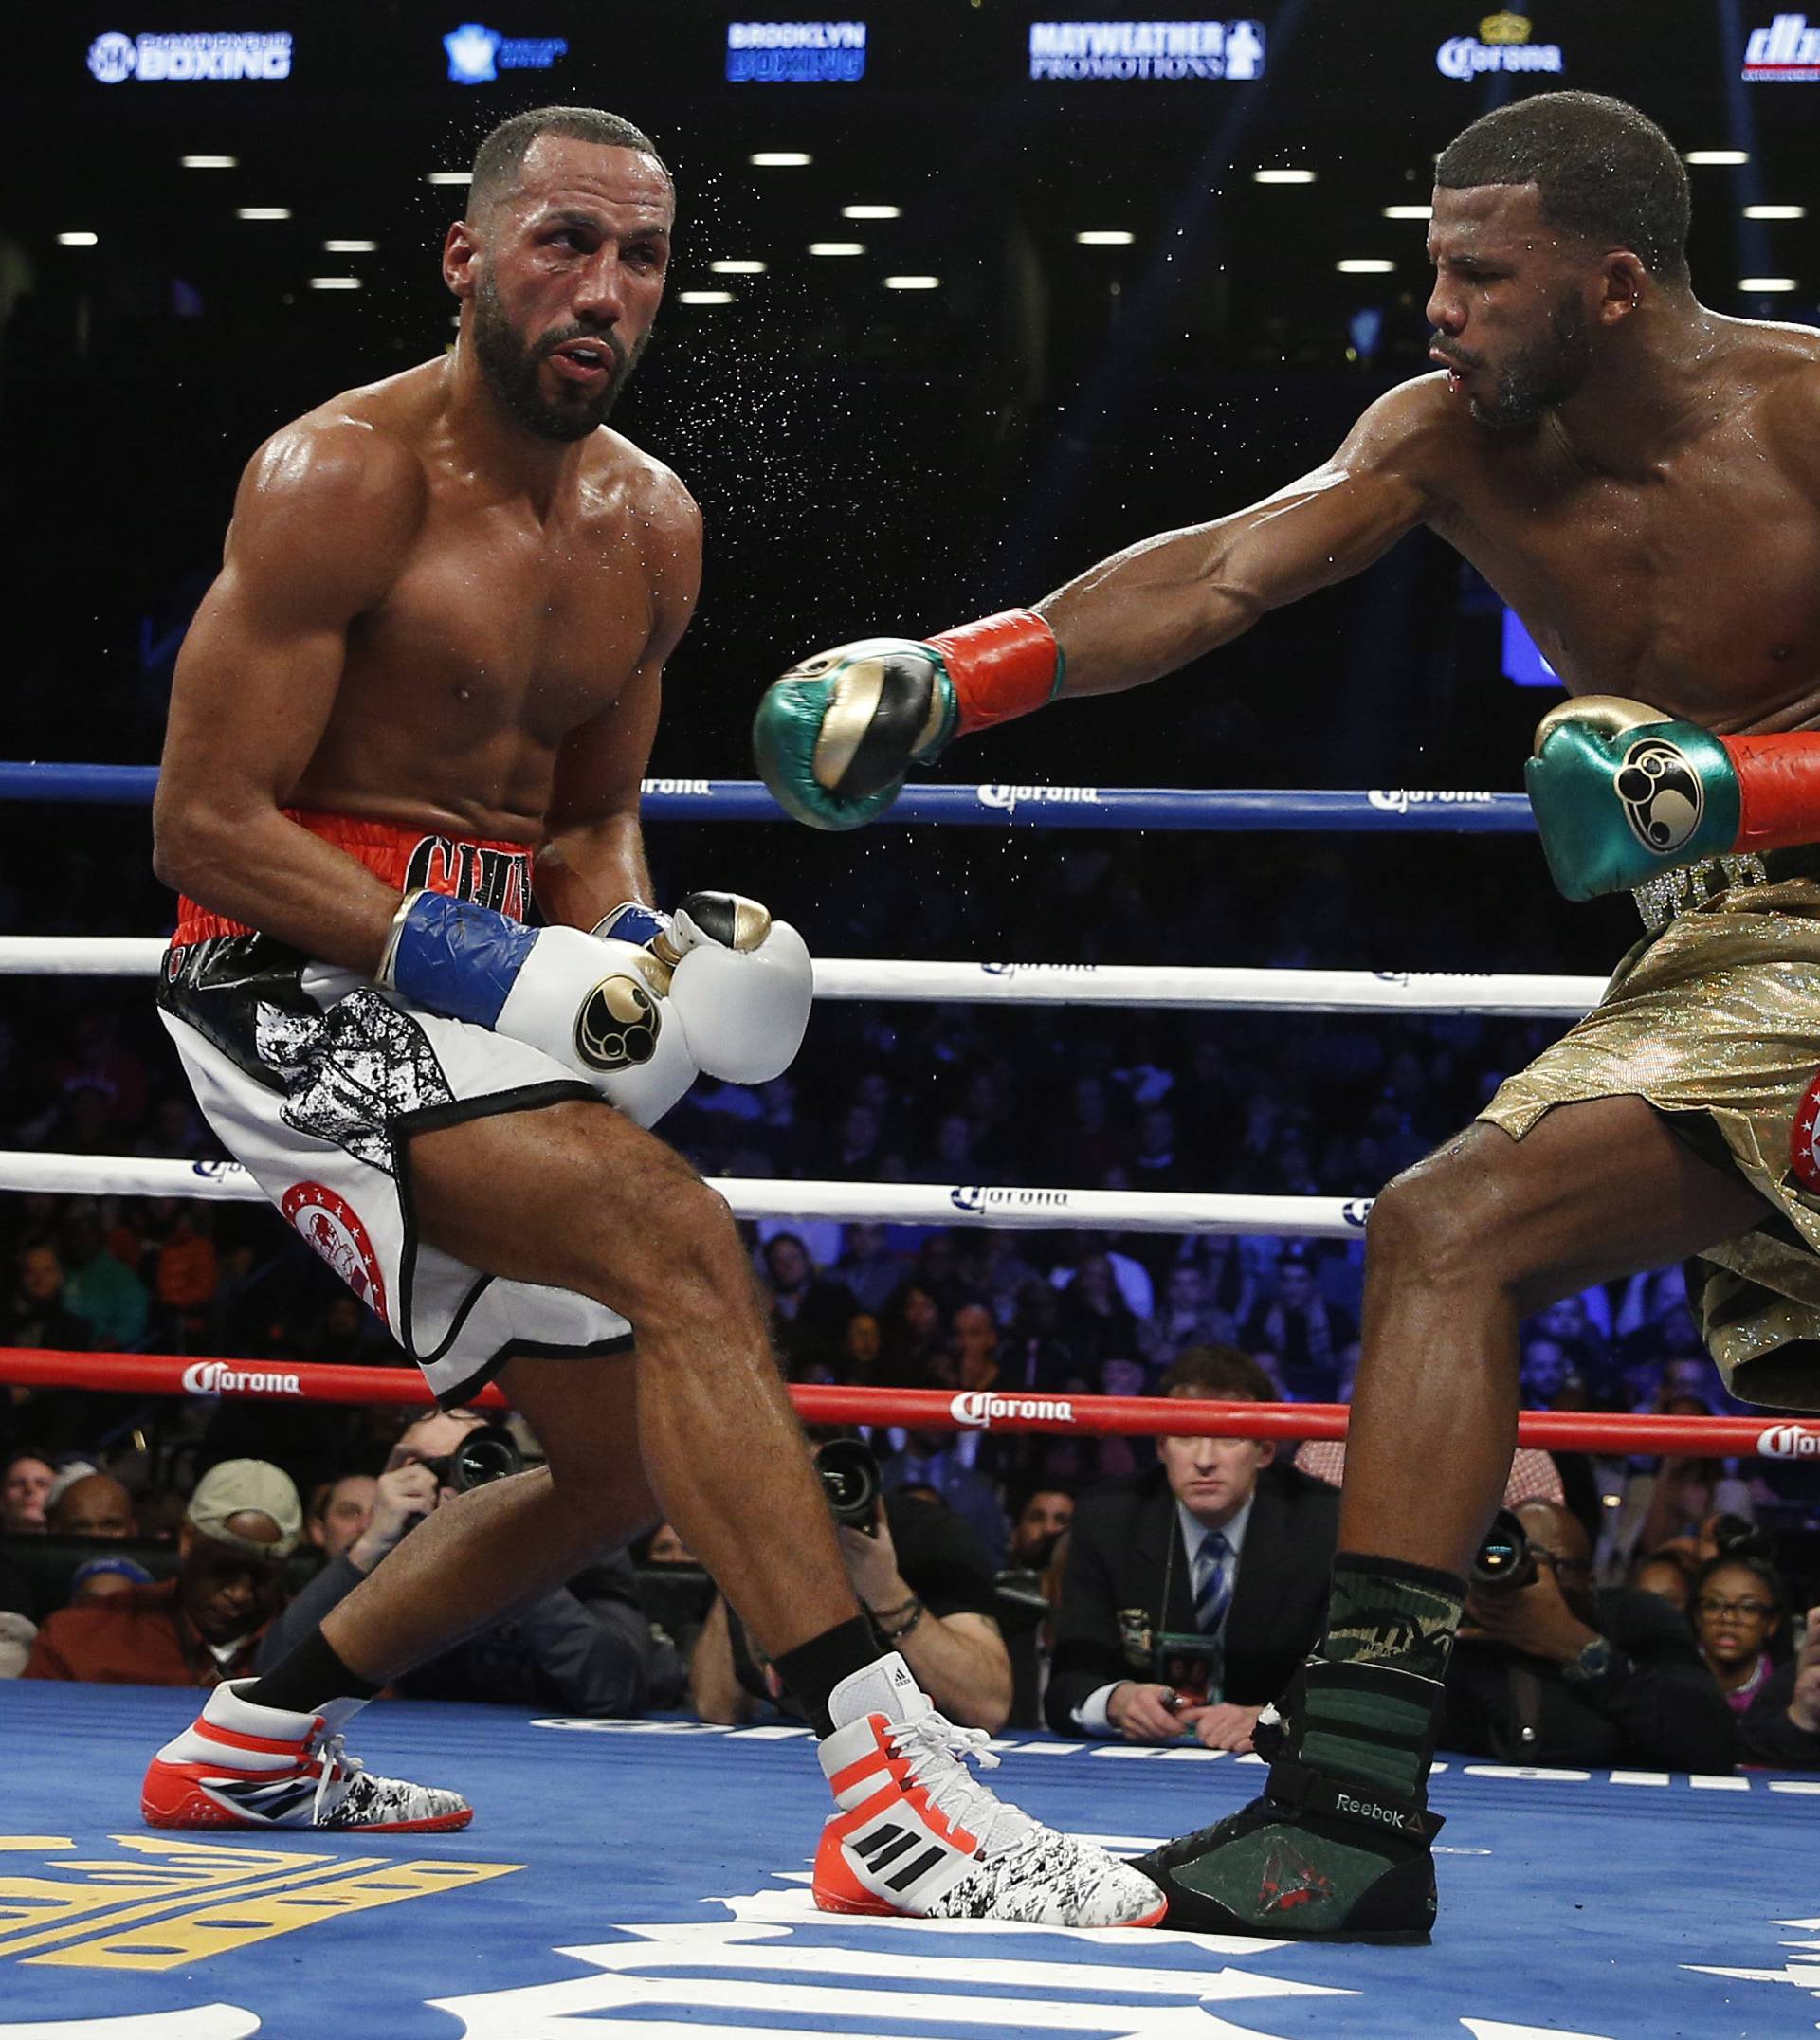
(419, 698)
(1639, 477)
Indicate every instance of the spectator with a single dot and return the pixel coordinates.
(1667, 1575)
(926, 1584)
(94, 1504)
(1191, 1592)
(584, 1647)
(341, 1514)
(810, 1314)
(912, 1338)
(974, 1347)
(947, 1464)
(203, 1625)
(1783, 1724)
(36, 1312)
(1040, 1526)
(1185, 1317)
(188, 1273)
(1556, 1672)
(1546, 1371)
(1304, 1331)
(861, 1349)
(1032, 1353)
(664, 1546)
(1095, 1320)
(99, 1580)
(1737, 1608)
(26, 1481)
(100, 1290)
(17, 1634)
(867, 1269)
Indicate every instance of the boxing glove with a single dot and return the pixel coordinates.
(595, 1004)
(835, 735)
(1621, 792)
(740, 983)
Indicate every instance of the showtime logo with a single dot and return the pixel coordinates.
(1790, 1441)
(976, 1409)
(215, 1377)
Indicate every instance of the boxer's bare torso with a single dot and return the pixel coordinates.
(1692, 584)
(505, 623)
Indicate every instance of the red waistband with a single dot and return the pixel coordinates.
(471, 867)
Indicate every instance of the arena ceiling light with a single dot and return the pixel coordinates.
(1364, 265)
(77, 239)
(1716, 158)
(210, 162)
(1775, 212)
(837, 247)
(335, 282)
(872, 212)
(1283, 177)
(1105, 237)
(1761, 285)
(351, 247)
(780, 159)
(913, 282)
(742, 266)
(262, 212)
(450, 176)
(1409, 212)
(704, 297)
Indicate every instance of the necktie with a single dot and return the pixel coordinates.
(1213, 1582)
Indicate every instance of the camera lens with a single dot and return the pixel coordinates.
(1505, 1561)
(488, 1452)
(850, 1480)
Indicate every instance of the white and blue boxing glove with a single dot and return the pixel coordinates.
(635, 1008)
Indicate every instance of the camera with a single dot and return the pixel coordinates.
(1505, 1561)
(850, 1480)
(488, 1452)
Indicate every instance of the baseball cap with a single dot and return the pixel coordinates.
(239, 1484)
(129, 1569)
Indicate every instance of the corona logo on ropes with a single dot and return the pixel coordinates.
(976, 1409)
(1008, 796)
(986, 1198)
(1400, 799)
(1790, 1441)
(215, 1377)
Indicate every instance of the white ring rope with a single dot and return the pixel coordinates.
(1194, 989)
(904, 1204)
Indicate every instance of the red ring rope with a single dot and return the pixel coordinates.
(1135, 1416)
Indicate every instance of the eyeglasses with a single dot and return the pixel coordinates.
(1709, 1604)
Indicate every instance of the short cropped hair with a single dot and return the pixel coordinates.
(1218, 1374)
(1604, 171)
(502, 152)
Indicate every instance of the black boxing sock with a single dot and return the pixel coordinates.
(307, 1678)
(812, 1670)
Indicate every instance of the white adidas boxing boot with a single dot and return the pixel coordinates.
(239, 1765)
(917, 1833)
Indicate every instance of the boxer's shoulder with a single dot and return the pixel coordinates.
(1415, 430)
(348, 461)
(621, 477)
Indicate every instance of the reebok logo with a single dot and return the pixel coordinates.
(1385, 1816)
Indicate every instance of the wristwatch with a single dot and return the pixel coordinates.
(1595, 1661)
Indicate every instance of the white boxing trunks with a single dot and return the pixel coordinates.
(315, 1081)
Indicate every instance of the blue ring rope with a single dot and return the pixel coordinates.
(1383, 812)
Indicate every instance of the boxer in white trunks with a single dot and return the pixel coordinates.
(420, 698)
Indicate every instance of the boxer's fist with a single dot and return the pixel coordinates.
(835, 735)
(1622, 792)
(742, 987)
(595, 1005)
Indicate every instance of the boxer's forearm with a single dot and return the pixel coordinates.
(1148, 611)
(271, 873)
(582, 874)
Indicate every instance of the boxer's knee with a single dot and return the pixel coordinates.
(690, 1264)
(1443, 1225)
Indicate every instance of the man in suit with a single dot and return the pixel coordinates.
(1194, 1590)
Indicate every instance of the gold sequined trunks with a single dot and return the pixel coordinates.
(1717, 1012)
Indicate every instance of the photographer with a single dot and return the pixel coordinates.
(1548, 1670)
(920, 1574)
(584, 1647)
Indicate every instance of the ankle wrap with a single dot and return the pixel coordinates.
(1294, 1786)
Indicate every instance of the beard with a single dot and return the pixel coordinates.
(1540, 376)
(511, 366)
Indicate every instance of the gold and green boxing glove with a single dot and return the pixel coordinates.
(835, 735)
(1622, 791)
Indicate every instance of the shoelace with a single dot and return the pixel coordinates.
(938, 1754)
(329, 1756)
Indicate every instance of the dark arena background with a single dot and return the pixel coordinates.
(963, 299)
